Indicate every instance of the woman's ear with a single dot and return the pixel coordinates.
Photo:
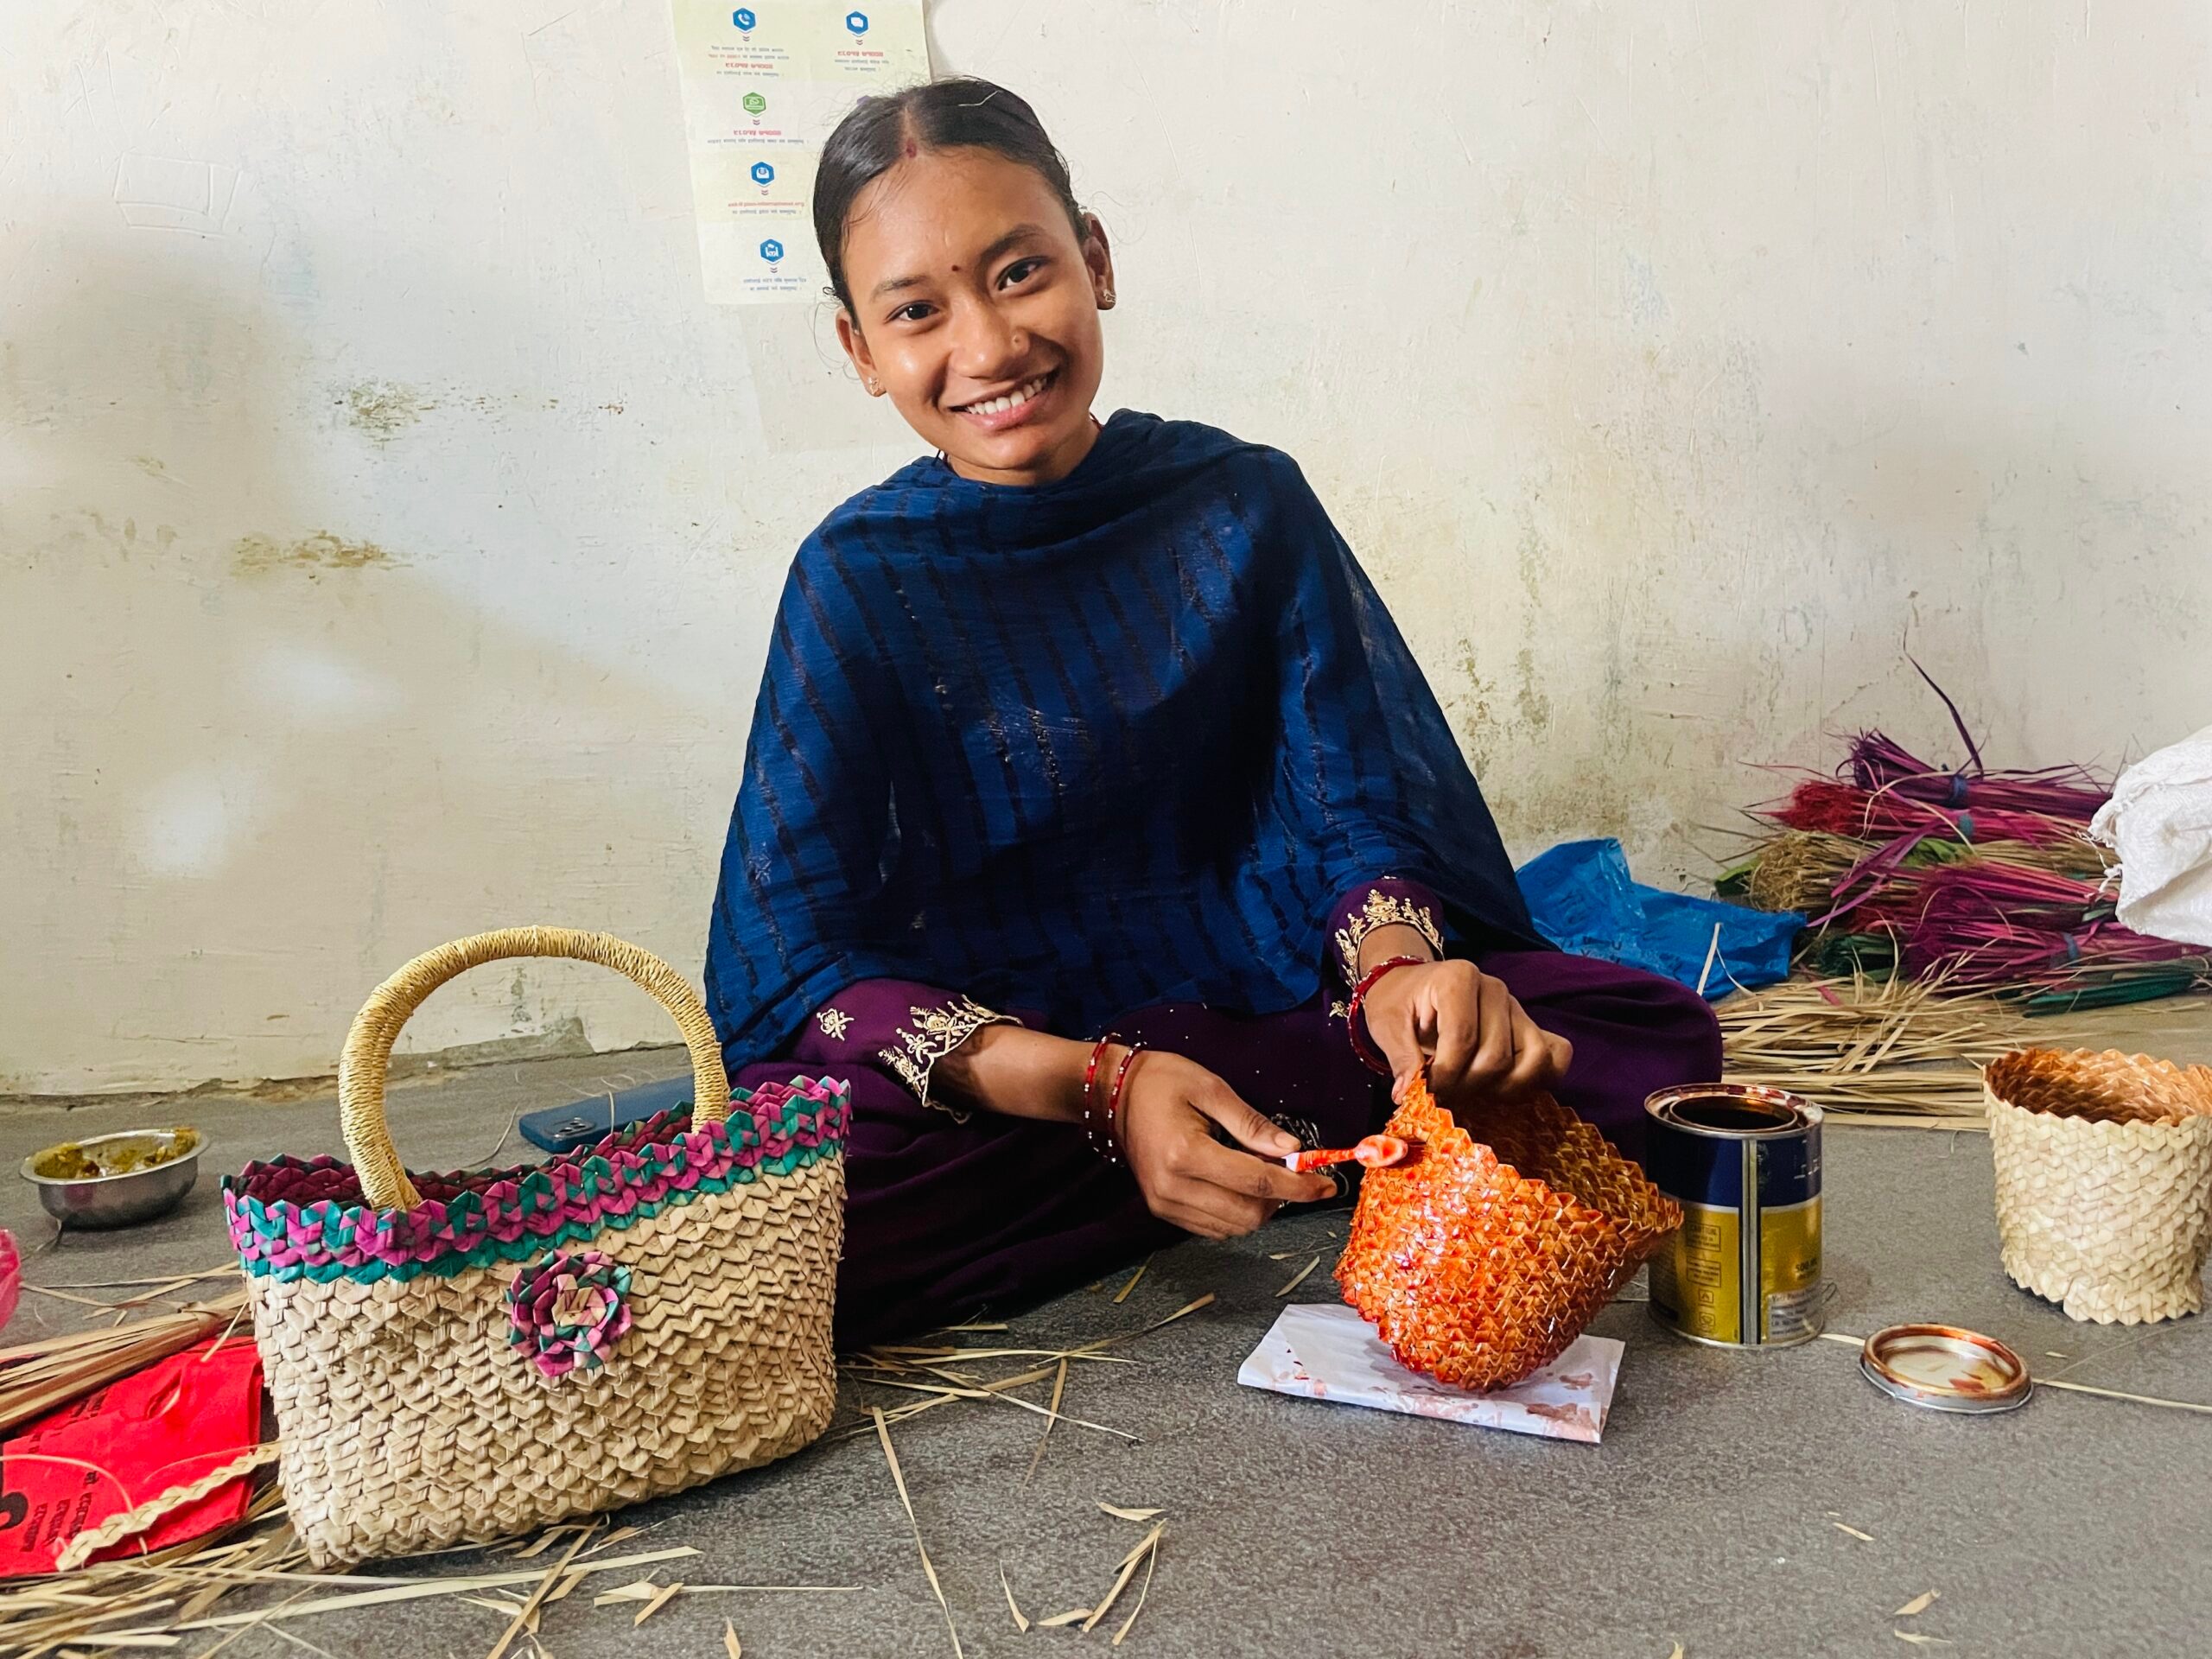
(1098, 260)
(856, 352)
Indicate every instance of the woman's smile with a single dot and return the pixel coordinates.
(1030, 401)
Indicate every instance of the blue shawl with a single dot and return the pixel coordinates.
(1086, 747)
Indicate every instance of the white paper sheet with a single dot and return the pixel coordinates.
(1324, 1350)
(763, 86)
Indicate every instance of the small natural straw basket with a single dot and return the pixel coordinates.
(1480, 1260)
(2104, 1180)
(459, 1357)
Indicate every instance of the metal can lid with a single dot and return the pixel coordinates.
(1731, 1111)
(1946, 1369)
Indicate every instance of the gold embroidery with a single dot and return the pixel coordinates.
(934, 1034)
(1339, 1010)
(834, 1023)
(1382, 909)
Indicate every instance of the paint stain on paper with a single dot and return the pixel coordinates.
(1579, 1416)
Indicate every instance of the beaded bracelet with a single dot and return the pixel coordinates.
(1090, 1079)
(1114, 1096)
(1355, 1015)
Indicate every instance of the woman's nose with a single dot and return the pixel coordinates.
(987, 343)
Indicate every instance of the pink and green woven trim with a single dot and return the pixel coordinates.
(303, 1218)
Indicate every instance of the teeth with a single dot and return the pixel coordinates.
(1014, 399)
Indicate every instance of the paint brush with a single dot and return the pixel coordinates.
(1376, 1152)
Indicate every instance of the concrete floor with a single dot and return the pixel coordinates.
(1709, 1517)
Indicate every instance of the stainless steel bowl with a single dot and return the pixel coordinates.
(121, 1200)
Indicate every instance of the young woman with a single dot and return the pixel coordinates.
(1095, 822)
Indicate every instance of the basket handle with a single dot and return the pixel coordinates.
(362, 1067)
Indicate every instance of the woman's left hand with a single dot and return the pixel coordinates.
(1477, 1042)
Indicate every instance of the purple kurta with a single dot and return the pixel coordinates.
(948, 1213)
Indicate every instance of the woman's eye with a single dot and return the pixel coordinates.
(914, 312)
(1019, 271)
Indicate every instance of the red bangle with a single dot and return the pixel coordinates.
(1354, 1017)
(1114, 1098)
(1105, 1149)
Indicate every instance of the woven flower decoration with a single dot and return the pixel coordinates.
(568, 1310)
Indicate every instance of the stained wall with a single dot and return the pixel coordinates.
(388, 531)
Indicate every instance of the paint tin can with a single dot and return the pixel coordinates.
(1744, 1270)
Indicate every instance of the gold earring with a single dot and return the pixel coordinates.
(1105, 297)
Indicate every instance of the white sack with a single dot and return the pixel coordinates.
(2159, 820)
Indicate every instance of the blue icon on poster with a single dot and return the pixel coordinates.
(763, 174)
(744, 19)
(857, 21)
(771, 250)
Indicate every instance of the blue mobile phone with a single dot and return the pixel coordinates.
(564, 1129)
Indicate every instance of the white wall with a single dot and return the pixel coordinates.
(388, 530)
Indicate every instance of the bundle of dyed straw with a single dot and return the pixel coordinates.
(1975, 881)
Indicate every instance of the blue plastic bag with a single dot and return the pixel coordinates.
(1583, 901)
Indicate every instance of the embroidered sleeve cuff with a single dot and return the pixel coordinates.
(903, 1027)
(1382, 903)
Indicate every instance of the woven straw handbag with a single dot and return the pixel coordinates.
(2104, 1180)
(459, 1357)
(1480, 1260)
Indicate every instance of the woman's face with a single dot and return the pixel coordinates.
(976, 311)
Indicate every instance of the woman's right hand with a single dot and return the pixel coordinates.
(1169, 1108)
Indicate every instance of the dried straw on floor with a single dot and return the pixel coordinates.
(1302, 1274)
(1860, 1046)
(168, 1593)
(944, 1372)
(1053, 1411)
(161, 1598)
(37, 1377)
(906, 1366)
(928, 1571)
(1136, 1558)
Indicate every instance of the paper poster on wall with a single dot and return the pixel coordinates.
(763, 86)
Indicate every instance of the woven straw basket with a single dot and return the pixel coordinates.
(2104, 1180)
(459, 1357)
(1479, 1261)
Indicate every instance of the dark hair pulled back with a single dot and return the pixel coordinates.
(936, 115)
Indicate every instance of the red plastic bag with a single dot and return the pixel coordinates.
(143, 1435)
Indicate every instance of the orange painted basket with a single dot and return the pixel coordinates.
(1480, 1260)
